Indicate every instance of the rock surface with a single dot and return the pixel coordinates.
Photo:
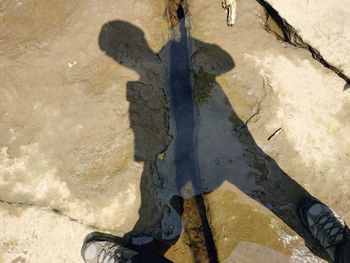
(81, 126)
(276, 102)
(31, 234)
(67, 141)
(322, 25)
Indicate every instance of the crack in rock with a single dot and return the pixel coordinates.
(291, 36)
(56, 211)
(257, 106)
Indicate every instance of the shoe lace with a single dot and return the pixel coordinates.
(329, 230)
(111, 255)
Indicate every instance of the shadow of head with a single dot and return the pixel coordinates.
(211, 58)
(126, 44)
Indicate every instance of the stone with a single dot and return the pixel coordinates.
(30, 234)
(67, 141)
(322, 26)
(85, 141)
(273, 89)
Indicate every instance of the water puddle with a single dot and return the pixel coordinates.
(183, 112)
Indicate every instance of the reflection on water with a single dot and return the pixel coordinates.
(196, 224)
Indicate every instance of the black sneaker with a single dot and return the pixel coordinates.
(104, 248)
(324, 225)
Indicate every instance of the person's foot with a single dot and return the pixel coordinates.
(324, 225)
(103, 248)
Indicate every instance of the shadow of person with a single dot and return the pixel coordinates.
(149, 120)
(264, 181)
